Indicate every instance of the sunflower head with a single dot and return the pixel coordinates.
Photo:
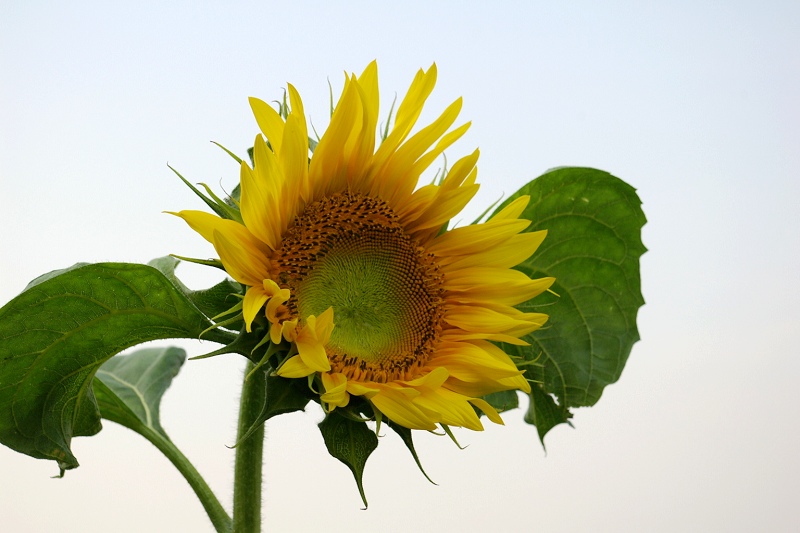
(351, 273)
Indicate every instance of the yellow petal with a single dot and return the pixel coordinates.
(296, 104)
(294, 367)
(462, 168)
(395, 182)
(458, 335)
(293, 160)
(368, 82)
(256, 202)
(362, 389)
(275, 301)
(431, 380)
(275, 330)
(447, 205)
(512, 210)
(407, 114)
(270, 122)
(325, 173)
(482, 319)
(361, 144)
(335, 385)
(312, 339)
(411, 106)
(468, 240)
(245, 264)
(446, 141)
(453, 408)
(488, 410)
(397, 405)
(497, 285)
(288, 330)
(254, 299)
(312, 352)
(507, 254)
(472, 370)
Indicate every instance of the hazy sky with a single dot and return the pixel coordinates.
(696, 104)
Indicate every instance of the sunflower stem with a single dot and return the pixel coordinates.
(249, 455)
(216, 513)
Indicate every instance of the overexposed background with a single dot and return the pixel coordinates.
(696, 104)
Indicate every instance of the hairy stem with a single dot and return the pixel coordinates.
(219, 517)
(249, 455)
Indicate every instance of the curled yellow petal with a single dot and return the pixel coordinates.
(335, 385)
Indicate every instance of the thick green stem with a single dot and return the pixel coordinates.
(217, 514)
(249, 456)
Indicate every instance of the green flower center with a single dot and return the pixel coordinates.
(349, 252)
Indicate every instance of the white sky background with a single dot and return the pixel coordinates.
(696, 104)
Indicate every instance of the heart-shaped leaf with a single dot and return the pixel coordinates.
(593, 246)
(351, 442)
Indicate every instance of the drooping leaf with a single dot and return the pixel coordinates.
(56, 334)
(351, 442)
(129, 388)
(593, 246)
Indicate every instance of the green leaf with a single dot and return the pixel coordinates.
(282, 396)
(351, 442)
(592, 248)
(212, 301)
(218, 205)
(503, 400)
(56, 334)
(544, 412)
(129, 388)
(408, 440)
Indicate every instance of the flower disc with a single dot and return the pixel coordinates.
(348, 251)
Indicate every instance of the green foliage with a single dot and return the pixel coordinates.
(281, 396)
(406, 435)
(129, 388)
(351, 442)
(60, 330)
(212, 301)
(503, 400)
(592, 248)
(218, 205)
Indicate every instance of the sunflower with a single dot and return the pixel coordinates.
(352, 265)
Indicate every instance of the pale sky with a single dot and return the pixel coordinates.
(693, 103)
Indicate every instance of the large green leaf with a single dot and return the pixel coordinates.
(129, 388)
(592, 248)
(56, 334)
